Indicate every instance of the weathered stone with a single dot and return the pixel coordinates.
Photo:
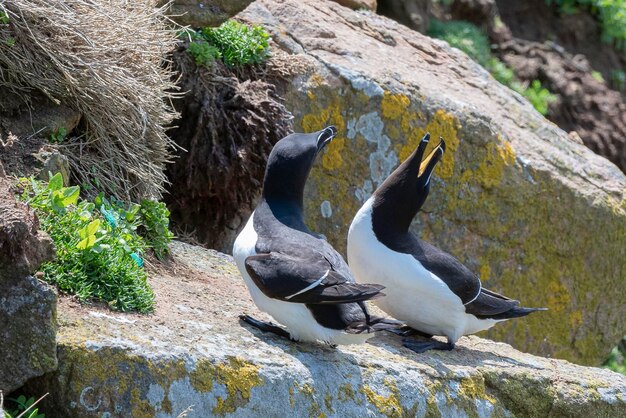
(358, 4)
(53, 162)
(194, 352)
(201, 13)
(36, 116)
(412, 13)
(27, 306)
(539, 217)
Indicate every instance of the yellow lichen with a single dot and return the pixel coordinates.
(491, 169)
(345, 392)
(442, 125)
(387, 405)
(331, 115)
(485, 272)
(474, 387)
(558, 296)
(201, 378)
(394, 105)
(239, 377)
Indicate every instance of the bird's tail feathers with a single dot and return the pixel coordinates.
(516, 312)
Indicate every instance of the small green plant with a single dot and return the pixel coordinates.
(597, 76)
(610, 13)
(4, 18)
(203, 53)
(155, 226)
(58, 135)
(22, 407)
(99, 250)
(616, 360)
(618, 80)
(464, 36)
(539, 96)
(471, 40)
(234, 43)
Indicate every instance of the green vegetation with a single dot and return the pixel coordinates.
(234, 43)
(617, 358)
(610, 13)
(598, 76)
(21, 407)
(618, 80)
(99, 244)
(4, 18)
(471, 40)
(58, 136)
(203, 53)
(155, 226)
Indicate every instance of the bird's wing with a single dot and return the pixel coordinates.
(295, 279)
(459, 279)
(489, 304)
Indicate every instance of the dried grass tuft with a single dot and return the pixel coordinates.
(105, 59)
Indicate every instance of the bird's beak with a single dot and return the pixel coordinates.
(428, 164)
(326, 135)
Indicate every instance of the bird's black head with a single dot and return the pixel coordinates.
(402, 194)
(290, 162)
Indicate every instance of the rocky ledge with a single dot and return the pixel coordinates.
(194, 352)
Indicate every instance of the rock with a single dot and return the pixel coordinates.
(539, 217)
(201, 13)
(194, 352)
(39, 116)
(412, 13)
(53, 162)
(358, 4)
(27, 306)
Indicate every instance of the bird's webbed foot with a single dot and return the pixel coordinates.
(423, 346)
(407, 331)
(266, 326)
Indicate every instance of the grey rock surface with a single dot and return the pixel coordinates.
(194, 352)
(201, 13)
(538, 217)
(27, 305)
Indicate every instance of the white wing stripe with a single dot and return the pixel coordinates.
(311, 286)
(480, 288)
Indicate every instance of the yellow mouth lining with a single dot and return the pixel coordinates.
(425, 161)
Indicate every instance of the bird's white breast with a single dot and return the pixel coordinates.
(413, 294)
(295, 316)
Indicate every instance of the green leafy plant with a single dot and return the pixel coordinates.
(23, 408)
(471, 40)
(464, 36)
(203, 53)
(99, 251)
(618, 79)
(617, 358)
(4, 18)
(234, 43)
(610, 13)
(597, 76)
(58, 135)
(155, 226)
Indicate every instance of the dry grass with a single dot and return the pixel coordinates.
(106, 60)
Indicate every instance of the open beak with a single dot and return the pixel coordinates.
(428, 164)
(326, 136)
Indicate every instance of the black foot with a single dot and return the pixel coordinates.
(423, 346)
(407, 331)
(265, 326)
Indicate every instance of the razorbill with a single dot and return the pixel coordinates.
(293, 274)
(425, 287)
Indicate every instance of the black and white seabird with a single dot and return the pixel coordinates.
(425, 287)
(293, 274)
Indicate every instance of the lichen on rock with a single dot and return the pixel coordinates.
(541, 217)
(193, 351)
